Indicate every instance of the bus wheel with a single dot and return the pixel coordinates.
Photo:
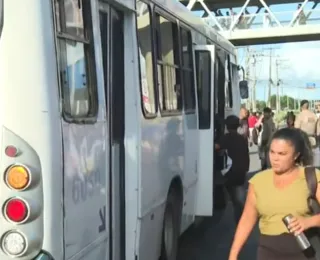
(171, 228)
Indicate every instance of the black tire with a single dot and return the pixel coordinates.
(171, 221)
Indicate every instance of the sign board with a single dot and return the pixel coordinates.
(310, 85)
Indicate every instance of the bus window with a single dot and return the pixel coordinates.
(76, 59)
(220, 75)
(187, 70)
(73, 13)
(168, 66)
(203, 69)
(146, 58)
(228, 84)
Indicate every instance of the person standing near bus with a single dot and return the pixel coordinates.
(252, 120)
(267, 128)
(307, 121)
(290, 119)
(238, 150)
(243, 128)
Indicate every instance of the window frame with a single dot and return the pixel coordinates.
(61, 38)
(191, 70)
(147, 114)
(159, 12)
(230, 92)
(207, 125)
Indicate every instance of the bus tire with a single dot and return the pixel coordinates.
(171, 227)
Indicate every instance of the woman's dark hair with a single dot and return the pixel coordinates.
(290, 116)
(300, 142)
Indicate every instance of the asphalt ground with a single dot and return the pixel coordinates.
(212, 238)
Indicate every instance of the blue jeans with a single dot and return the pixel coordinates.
(238, 196)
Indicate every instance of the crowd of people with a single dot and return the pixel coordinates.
(280, 188)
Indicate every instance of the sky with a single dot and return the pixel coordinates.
(300, 61)
(299, 67)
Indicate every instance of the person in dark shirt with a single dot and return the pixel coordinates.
(237, 149)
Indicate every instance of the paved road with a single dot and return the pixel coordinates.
(212, 239)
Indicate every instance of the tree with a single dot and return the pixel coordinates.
(286, 102)
(260, 104)
(273, 102)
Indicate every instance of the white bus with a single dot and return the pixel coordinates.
(107, 152)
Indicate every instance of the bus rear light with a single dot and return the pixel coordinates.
(14, 243)
(18, 177)
(11, 151)
(16, 210)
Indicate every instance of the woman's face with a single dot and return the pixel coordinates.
(282, 155)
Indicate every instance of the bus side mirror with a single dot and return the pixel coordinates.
(244, 89)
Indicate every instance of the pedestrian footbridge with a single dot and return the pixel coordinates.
(262, 26)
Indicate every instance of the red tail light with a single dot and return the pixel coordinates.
(11, 151)
(16, 210)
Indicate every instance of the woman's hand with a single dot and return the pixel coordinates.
(299, 224)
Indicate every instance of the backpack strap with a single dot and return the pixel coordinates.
(311, 178)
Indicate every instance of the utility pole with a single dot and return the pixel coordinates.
(254, 82)
(248, 55)
(251, 60)
(278, 106)
(270, 78)
(279, 62)
(270, 49)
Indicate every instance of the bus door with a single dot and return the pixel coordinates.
(85, 138)
(205, 57)
(112, 43)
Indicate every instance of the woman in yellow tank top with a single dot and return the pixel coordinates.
(275, 193)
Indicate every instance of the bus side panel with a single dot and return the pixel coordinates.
(85, 186)
(160, 162)
(190, 173)
(132, 137)
(30, 110)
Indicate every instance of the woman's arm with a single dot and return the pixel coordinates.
(259, 122)
(248, 220)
